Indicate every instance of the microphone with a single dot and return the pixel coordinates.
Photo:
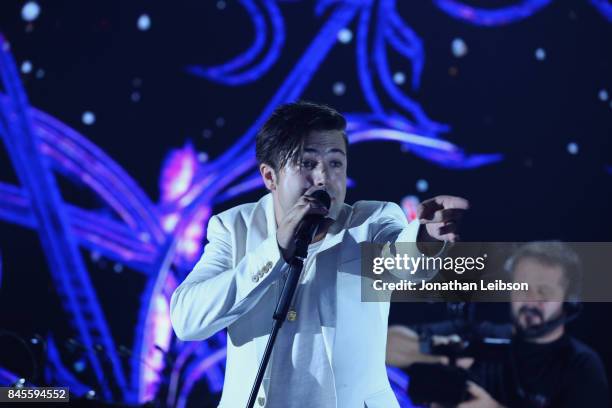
(310, 224)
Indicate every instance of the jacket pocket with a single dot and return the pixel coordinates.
(381, 399)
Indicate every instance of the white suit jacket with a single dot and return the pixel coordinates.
(235, 285)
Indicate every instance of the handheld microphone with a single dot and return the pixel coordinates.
(310, 224)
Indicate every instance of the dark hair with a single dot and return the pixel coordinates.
(553, 253)
(281, 139)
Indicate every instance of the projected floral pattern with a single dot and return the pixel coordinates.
(163, 240)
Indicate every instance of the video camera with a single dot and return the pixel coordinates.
(447, 384)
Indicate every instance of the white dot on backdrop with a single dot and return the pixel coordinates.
(40, 73)
(399, 78)
(345, 36)
(135, 96)
(572, 148)
(221, 5)
(459, 47)
(79, 366)
(30, 11)
(144, 22)
(118, 268)
(339, 88)
(88, 118)
(540, 54)
(422, 185)
(603, 95)
(202, 157)
(26, 67)
(220, 122)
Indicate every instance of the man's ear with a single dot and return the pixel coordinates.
(268, 176)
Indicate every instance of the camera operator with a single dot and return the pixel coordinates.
(542, 366)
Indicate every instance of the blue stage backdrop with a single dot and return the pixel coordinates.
(125, 125)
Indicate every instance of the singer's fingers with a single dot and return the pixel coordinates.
(448, 228)
(316, 208)
(312, 189)
(316, 204)
(308, 199)
(447, 201)
(428, 207)
(312, 193)
(451, 214)
(310, 202)
(306, 206)
(452, 237)
(443, 232)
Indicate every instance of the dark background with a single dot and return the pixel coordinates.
(502, 100)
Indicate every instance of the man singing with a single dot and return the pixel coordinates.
(331, 350)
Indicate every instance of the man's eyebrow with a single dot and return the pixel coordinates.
(332, 150)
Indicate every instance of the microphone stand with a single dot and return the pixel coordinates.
(304, 238)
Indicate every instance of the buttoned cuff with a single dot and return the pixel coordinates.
(269, 262)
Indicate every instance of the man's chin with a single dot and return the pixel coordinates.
(528, 324)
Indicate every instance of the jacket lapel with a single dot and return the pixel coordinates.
(260, 227)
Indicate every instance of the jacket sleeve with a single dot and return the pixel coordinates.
(392, 226)
(215, 294)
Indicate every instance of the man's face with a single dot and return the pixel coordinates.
(544, 300)
(323, 164)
